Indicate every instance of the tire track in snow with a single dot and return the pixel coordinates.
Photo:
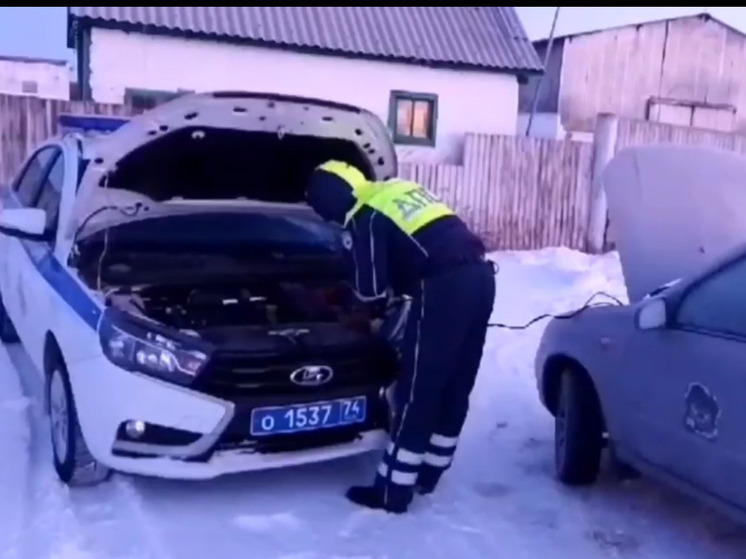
(15, 437)
(46, 522)
(102, 522)
(142, 518)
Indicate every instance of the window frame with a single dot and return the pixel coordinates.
(52, 228)
(395, 98)
(696, 287)
(44, 173)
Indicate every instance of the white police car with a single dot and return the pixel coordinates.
(184, 308)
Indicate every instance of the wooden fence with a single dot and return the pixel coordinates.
(614, 134)
(26, 121)
(516, 193)
(640, 132)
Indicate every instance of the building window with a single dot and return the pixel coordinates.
(145, 99)
(29, 86)
(413, 118)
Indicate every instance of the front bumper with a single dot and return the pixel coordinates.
(236, 461)
(190, 435)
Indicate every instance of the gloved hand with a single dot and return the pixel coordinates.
(357, 320)
(394, 320)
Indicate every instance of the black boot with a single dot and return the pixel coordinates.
(371, 497)
(428, 480)
(424, 489)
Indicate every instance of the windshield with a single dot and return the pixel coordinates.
(225, 233)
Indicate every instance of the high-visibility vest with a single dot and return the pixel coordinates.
(406, 203)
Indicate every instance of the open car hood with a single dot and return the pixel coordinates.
(673, 210)
(252, 112)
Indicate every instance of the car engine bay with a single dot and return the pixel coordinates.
(263, 303)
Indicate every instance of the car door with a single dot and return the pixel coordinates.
(17, 265)
(36, 288)
(687, 388)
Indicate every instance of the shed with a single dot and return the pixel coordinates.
(688, 71)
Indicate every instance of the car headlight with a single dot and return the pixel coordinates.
(150, 353)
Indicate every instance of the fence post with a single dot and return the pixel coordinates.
(604, 147)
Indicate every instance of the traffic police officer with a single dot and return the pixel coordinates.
(401, 239)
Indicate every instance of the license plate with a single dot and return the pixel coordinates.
(308, 417)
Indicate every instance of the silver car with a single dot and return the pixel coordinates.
(661, 382)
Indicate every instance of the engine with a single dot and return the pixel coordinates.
(261, 304)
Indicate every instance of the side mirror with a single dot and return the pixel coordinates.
(24, 223)
(653, 314)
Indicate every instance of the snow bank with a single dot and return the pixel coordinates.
(500, 499)
(14, 465)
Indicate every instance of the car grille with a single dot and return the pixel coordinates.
(231, 375)
(289, 443)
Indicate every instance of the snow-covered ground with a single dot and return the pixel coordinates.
(499, 499)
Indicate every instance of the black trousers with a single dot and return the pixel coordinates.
(440, 355)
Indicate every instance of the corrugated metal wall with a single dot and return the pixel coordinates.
(515, 192)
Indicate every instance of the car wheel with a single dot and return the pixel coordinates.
(578, 432)
(8, 332)
(73, 461)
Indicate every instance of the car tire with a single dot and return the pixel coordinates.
(8, 334)
(578, 434)
(72, 460)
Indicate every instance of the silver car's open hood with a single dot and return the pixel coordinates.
(673, 210)
(252, 112)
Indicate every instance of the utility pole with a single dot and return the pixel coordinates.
(535, 102)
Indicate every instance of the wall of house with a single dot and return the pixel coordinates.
(543, 125)
(467, 101)
(36, 78)
(696, 66)
(548, 99)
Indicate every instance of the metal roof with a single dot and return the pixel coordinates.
(470, 37)
(34, 60)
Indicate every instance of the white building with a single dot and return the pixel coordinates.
(431, 73)
(36, 77)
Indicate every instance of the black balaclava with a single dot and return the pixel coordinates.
(330, 196)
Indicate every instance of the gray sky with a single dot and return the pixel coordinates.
(538, 21)
(41, 31)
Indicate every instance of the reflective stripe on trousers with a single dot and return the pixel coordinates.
(400, 466)
(440, 451)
